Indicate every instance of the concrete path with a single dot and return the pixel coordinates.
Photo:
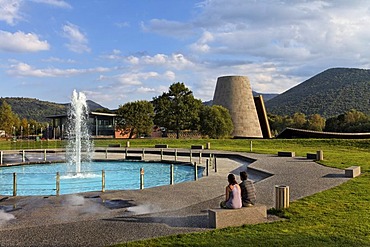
(101, 219)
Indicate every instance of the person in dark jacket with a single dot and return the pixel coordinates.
(248, 190)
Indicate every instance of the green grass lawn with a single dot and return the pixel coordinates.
(336, 217)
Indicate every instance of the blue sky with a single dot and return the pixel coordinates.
(117, 51)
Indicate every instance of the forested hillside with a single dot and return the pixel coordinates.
(329, 93)
(38, 110)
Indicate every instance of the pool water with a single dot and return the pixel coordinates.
(40, 179)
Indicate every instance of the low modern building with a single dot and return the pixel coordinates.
(101, 125)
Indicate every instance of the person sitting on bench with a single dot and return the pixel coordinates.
(248, 190)
(233, 194)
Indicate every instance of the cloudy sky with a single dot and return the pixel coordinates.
(119, 51)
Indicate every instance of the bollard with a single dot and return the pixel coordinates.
(1, 157)
(208, 145)
(215, 163)
(207, 167)
(171, 175)
(44, 154)
(143, 154)
(320, 155)
(210, 160)
(281, 196)
(195, 171)
(141, 178)
(200, 158)
(102, 181)
(106, 153)
(57, 184)
(251, 146)
(161, 154)
(14, 184)
(23, 156)
(175, 154)
(127, 144)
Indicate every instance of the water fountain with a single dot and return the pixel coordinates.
(79, 147)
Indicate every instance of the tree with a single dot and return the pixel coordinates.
(135, 118)
(8, 119)
(316, 122)
(299, 120)
(215, 121)
(178, 109)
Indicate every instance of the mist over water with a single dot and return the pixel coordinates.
(5, 217)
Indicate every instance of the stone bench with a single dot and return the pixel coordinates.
(161, 146)
(134, 157)
(352, 171)
(115, 145)
(197, 147)
(286, 154)
(220, 218)
(311, 156)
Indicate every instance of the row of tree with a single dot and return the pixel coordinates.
(13, 125)
(175, 110)
(351, 121)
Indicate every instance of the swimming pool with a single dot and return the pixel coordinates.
(40, 179)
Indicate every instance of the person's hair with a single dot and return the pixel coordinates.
(231, 179)
(243, 175)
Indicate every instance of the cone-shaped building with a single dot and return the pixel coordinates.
(235, 94)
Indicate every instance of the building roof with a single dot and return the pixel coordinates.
(300, 133)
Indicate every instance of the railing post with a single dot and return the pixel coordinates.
(102, 181)
(171, 175)
(191, 156)
(23, 156)
(215, 163)
(106, 153)
(200, 158)
(251, 146)
(126, 153)
(57, 184)
(143, 153)
(175, 154)
(141, 178)
(1, 157)
(195, 171)
(44, 154)
(207, 167)
(14, 184)
(161, 154)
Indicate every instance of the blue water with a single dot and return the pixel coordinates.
(40, 179)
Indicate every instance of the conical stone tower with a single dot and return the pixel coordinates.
(235, 94)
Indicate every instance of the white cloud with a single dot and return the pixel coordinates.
(55, 3)
(21, 42)
(26, 70)
(9, 11)
(176, 61)
(77, 40)
(58, 60)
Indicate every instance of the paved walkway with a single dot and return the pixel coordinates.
(101, 219)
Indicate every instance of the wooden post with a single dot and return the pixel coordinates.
(106, 153)
(251, 146)
(14, 184)
(128, 144)
(200, 158)
(191, 156)
(102, 181)
(23, 156)
(161, 154)
(175, 154)
(44, 154)
(126, 153)
(195, 171)
(57, 184)
(141, 178)
(172, 181)
(143, 154)
(319, 155)
(1, 157)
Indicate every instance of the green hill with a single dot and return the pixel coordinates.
(38, 110)
(329, 93)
